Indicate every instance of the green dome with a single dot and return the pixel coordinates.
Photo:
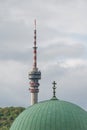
(51, 115)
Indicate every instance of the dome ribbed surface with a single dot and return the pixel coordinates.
(51, 115)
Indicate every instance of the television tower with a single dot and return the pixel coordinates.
(35, 74)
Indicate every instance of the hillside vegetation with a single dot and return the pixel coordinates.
(7, 116)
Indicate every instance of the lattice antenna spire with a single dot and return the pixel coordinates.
(35, 23)
(35, 48)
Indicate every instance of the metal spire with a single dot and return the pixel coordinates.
(54, 88)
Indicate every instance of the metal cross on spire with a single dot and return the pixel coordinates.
(54, 87)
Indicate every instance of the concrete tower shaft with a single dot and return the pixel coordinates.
(35, 74)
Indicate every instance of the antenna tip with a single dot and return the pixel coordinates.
(35, 23)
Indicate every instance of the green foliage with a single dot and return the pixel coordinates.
(8, 115)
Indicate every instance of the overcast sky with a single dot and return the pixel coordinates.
(62, 50)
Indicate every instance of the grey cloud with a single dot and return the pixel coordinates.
(61, 51)
(58, 23)
(16, 56)
(12, 32)
(71, 84)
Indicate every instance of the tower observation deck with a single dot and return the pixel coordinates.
(35, 74)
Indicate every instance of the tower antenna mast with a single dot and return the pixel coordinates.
(35, 74)
(35, 48)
